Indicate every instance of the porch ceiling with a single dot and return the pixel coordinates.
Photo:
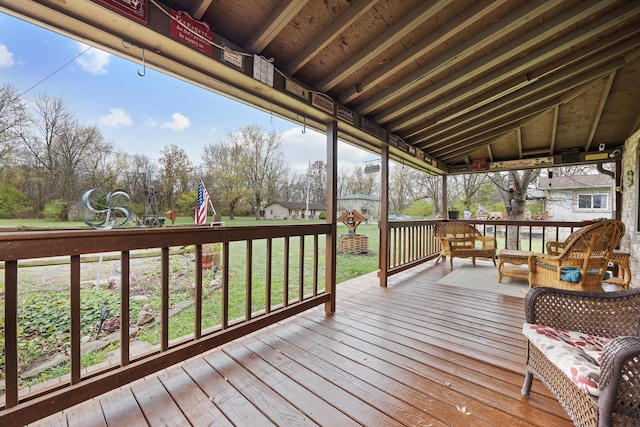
(447, 81)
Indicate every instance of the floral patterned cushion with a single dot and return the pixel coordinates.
(576, 354)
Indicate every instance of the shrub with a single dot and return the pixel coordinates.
(55, 210)
(13, 203)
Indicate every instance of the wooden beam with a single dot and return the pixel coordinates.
(332, 214)
(383, 223)
(508, 54)
(400, 29)
(519, 100)
(606, 90)
(460, 23)
(271, 27)
(199, 8)
(461, 52)
(516, 75)
(337, 27)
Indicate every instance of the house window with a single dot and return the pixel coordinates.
(593, 201)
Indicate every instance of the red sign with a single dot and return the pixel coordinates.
(479, 164)
(193, 33)
(136, 9)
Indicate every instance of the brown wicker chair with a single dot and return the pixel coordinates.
(613, 315)
(588, 249)
(459, 240)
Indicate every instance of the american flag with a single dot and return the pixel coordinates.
(202, 204)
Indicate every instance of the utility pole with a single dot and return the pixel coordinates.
(307, 213)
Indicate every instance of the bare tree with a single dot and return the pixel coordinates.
(262, 162)
(226, 173)
(13, 120)
(177, 174)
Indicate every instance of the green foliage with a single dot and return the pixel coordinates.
(535, 207)
(12, 202)
(55, 210)
(186, 203)
(322, 215)
(420, 208)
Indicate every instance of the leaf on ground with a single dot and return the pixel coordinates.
(463, 409)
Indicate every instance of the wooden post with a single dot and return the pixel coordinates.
(332, 213)
(383, 223)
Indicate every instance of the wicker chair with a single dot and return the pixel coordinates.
(611, 315)
(458, 239)
(623, 280)
(588, 249)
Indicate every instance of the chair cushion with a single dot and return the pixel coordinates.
(576, 354)
(570, 274)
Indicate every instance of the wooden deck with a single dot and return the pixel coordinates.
(415, 354)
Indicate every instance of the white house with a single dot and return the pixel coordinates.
(578, 198)
(367, 205)
(293, 210)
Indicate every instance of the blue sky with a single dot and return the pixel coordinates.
(141, 115)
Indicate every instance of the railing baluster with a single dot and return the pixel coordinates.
(197, 321)
(11, 332)
(75, 318)
(269, 278)
(225, 287)
(285, 296)
(164, 321)
(248, 280)
(315, 265)
(125, 286)
(301, 270)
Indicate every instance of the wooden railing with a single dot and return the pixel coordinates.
(310, 288)
(412, 242)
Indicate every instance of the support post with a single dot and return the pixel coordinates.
(383, 224)
(332, 213)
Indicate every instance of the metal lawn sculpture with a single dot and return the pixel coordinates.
(104, 215)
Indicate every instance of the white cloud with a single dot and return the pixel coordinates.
(6, 57)
(178, 122)
(94, 60)
(116, 117)
(300, 148)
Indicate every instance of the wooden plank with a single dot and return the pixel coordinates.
(193, 402)
(394, 408)
(431, 370)
(156, 404)
(270, 403)
(88, 413)
(360, 410)
(121, 409)
(228, 399)
(55, 420)
(309, 403)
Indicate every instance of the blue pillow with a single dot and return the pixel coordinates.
(570, 274)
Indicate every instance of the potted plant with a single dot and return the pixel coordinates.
(453, 213)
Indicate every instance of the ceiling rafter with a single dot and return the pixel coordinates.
(271, 27)
(489, 35)
(351, 15)
(498, 57)
(469, 105)
(518, 116)
(598, 115)
(496, 128)
(394, 34)
(558, 83)
(199, 8)
(518, 67)
(455, 26)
